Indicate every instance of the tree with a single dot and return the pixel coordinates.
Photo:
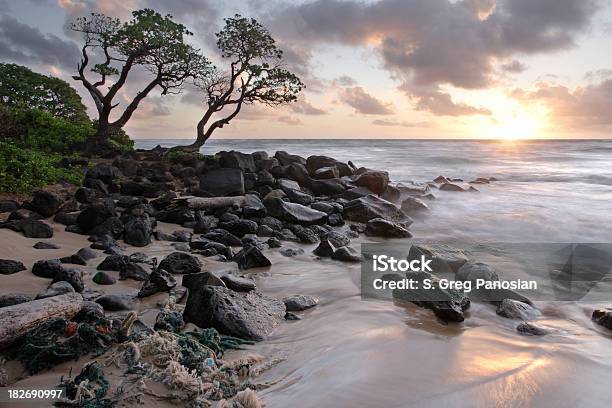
(150, 41)
(24, 89)
(256, 75)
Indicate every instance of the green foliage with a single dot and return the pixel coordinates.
(119, 140)
(23, 170)
(176, 156)
(24, 89)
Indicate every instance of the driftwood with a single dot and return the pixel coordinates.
(17, 320)
(211, 203)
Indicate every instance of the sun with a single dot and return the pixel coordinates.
(516, 125)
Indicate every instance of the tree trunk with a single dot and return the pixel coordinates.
(17, 320)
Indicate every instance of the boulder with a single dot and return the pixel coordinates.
(314, 163)
(114, 303)
(45, 245)
(603, 317)
(445, 259)
(56, 289)
(299, 197)
(195, 281)
(159, 281)
(223, 236)
(112, 226)
(451, 187)
(240, 228)
(447, 304)
(138, 231)
(181, 263)
(323, 206)
(298, 303)
(74, 259)
(87, 253)
(369, 207)
(294, 213)
(35, 229)
(11, 299)
(113, 263)
(513, 309)
(413, 205)
(327, 173)
(104, 172)
(204, 223)
(238, 283)
(223, 182)
(379, 227)
(132, 270)
(47, 268)
(9, 267)
(247, 315)
(145, 188)
(95, 214)
(237, 160)
(346, 254)
(175, 214)
(251, 257)
(85, 195)
(128, 167)
(253, 207)
(45, 203)
(8, 206)
(298, 173)
(330, 187)
(66, 218)
(103, 278)
(531, 329)
(73, 276)
(391, 194)
(325, 249)
(286, 159)
(373, 180)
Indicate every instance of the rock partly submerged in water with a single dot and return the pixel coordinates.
(603, 317)
(531, 329)
(379, 227)
(247, 315)
(369, 207)
(513, 309)
(298, 303)
(444, 258)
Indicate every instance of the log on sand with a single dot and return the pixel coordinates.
(17, 320)
(211, 203)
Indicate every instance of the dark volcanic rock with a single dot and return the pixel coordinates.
(253, 207)
(294, 213)
(181, 263)
(138, 231)
(240, 227)
(103, 278)
(298, 303)
(114, 303)
(176, 214)
(369, 207)
(346, 254)
(325, 249)
(447, 304)
(291, 252)
(47, 268)
(45, 203)
(85, 195)
(327, 173)
(223, 182)
(45, 245)
(451, 187)
(513, 309)
(251, 257)
(73, 276)
(95, 214)
(379, 227)
(66, 218)
(336, 238)
(413, 205)
(195, 281)
(9, 267)
(56, 289)
(237, 160)
(35, 229)
(531, 329)
(159, 281)
(74, 259)
(132, 270)
(87, 253)
(247, 315)
(373, 180)
(104, 172)
(8, 206)
(223, 236)
(329, 187)
(444, 258)
(111, 226)
(314, 163)
(113, 263)
(238, 284)
(603, 317)
(11, 299)
(145, 188)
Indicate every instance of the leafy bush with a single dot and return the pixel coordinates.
(177, 156)
(119, 140)
(23, 170)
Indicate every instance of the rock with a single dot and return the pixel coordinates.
(128, 167)
(8, 206)
(47, 268)
(181, 263)
(73, 259)
(138, 231)
(298, 303)
(114, 303)
(35, 229)
(335, 220)
(286, 159)
(291, 252)
(379, 227)
(132, 270)
(447, 304)
(113, 263)
(66, 218)
(159, 281)
(413, 205)
(298, 197)
(87, 254)
(45, 203)
(195, 281)
(9, 267)
(513, 309)
(11, 299)
(90, 310)
(251, 257)
(273, 243)
(238, 284)
(45, 245)
(253, 207)
(223, 236)
(176, 214)
(373, 180)
(325, 249)
(265, 231)
(305, 235)
(111, 226)
(56, 289)
(223, 182)
(327, 208)
(247, 315)
(240, 227)
(329, 187)
(603, 317)
(237, 160)
(444, 258)
(103, 278)
(292, 316)
(346, 254)
(104, 172)
(95, 214)
(23, 214)
(315, 163)
(369, 207)
(73, 276)
(451, 187)
(327, 173)
(391, 194)
(531, 329)
(145, 188)
(97, 185)
(471, 271)
(294, 213)
(85, 195)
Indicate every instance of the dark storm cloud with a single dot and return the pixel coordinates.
(363, 102)
(440, 42)
(28, 45)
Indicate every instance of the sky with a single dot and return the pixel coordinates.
(372, 69)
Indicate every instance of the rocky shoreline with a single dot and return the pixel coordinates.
(216, 217)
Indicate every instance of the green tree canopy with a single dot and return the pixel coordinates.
(22, 88)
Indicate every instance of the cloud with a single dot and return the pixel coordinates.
(344, 80)
(28, 45)
(581, 108)
(440, 42)
(441, 103)
(304, 107)
(363, 102)
(289, 120)
(394, 123)
(514, 67)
